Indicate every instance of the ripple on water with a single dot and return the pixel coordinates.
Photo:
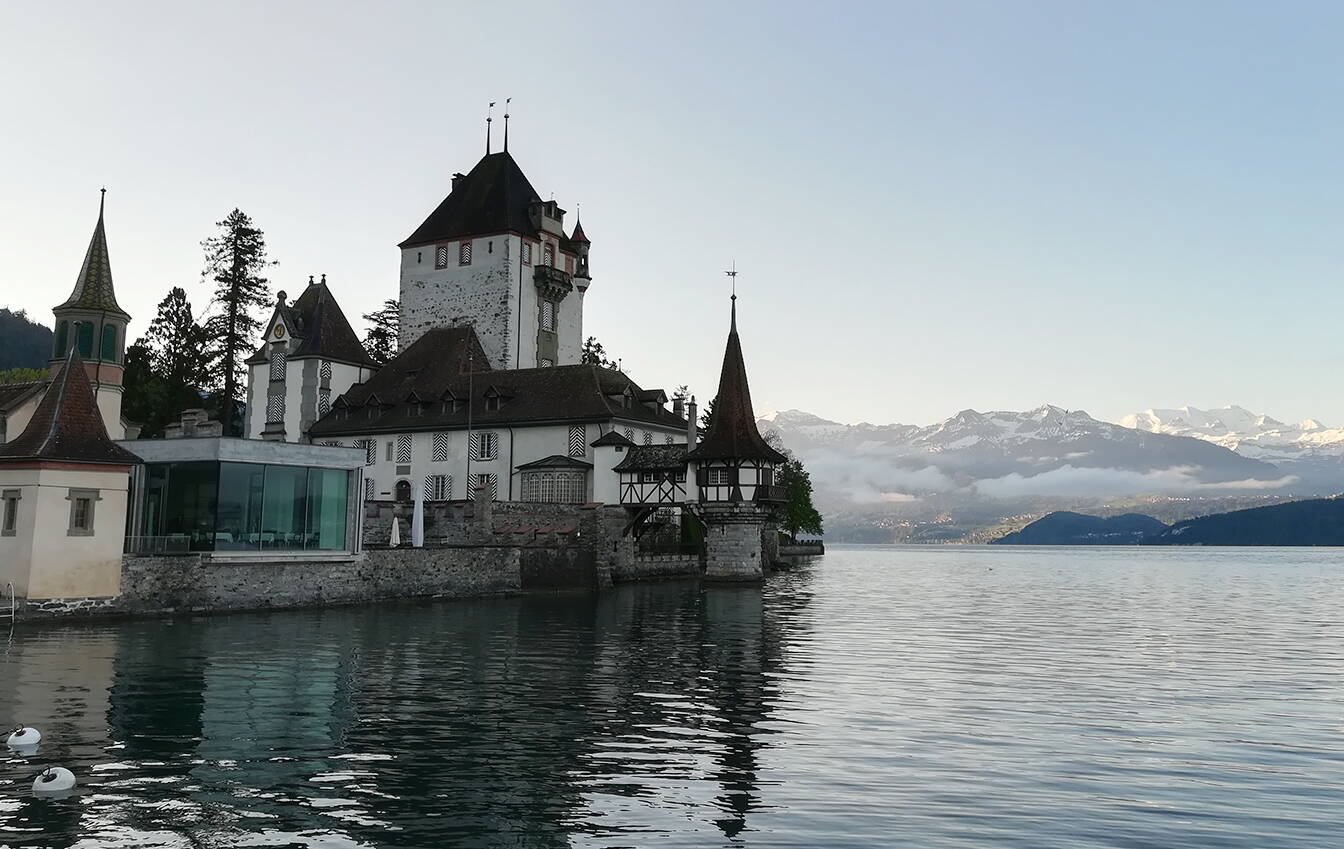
(932, 697)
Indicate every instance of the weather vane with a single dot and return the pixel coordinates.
(732, 274)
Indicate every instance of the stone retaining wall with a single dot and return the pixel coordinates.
(645, 567)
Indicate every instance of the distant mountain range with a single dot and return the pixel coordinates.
(958, 479)
(1317, 521)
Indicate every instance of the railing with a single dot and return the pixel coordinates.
(176, 544)
(771, 493)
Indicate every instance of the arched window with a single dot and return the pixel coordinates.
(402, 491)
(62, 339)
(108, 354)
(84, 336)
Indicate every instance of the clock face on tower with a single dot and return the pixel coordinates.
(279, 331)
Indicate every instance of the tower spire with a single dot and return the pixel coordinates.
(102, 196)
(489, 117)
(732, 275)
(506, 123)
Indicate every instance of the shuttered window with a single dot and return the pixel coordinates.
(548, 254)
(441, 256)
(577, 448)
(275, 409)
(278, 359)
(464, 253)
(439, 487)
(548, 316)
(440, 448)
(527, 252)
(404, 448)
(488, 482)
(369, 490)
(484, 445)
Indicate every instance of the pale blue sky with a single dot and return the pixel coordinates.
(1106, 206)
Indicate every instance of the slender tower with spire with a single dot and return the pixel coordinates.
(92, 322)
(735, 472)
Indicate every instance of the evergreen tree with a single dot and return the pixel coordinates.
(707, 415)
(23, 342)
(798, 515)
(234, 260)
(384, 327)
(167, 369)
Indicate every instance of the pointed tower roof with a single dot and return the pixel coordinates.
(493, 198)
(319, 328)
(578, 233)
(732, 432)
(67, 425)
(93, 288)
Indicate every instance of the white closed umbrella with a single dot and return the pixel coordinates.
(395, 539)
(418, 518)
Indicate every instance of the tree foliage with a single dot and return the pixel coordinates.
(235, 258)
(22, 375)
(707, 415)
(169, 368)
(798, 515)
(23, 342)
(595, 355)
(384, 328)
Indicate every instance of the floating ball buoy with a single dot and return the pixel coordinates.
(54, 780)
(22, 736)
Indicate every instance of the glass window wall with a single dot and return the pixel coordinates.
(210, 506)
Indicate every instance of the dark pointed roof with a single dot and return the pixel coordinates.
(320, 329)
(653, 458)
(93, 288)
(67, 424)
(732, 430)
(578, 233)
(493, 198)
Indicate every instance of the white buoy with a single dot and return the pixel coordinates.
(22, 736)
(57, 779)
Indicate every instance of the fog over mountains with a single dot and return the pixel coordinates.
(990, 464)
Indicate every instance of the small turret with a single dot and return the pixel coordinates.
(581, 244)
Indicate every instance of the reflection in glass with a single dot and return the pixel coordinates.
(283, 512)
(238, 525)
(328, 490)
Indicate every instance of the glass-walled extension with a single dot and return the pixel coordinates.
(228, 506)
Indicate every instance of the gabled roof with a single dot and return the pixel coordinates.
(732, 431)
(435, 364)
(653, 458)
(93, 288)
(67, 424)
(319, 328)
(556, 461)
(612, 437)
(13, 395)
(493, 198)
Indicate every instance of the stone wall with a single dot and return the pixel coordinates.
(647, 567)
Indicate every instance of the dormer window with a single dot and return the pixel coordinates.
(492, 402)
(464, 253)
(441, 256)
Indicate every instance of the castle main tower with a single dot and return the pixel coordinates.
(494, 255)
(92, 322)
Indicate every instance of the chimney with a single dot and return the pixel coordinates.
(678, 406)
(692, 426)
(457, 178)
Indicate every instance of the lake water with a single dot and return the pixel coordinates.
(879, 696)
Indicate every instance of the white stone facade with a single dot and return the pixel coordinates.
(491, 286)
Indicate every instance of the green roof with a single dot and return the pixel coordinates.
(93, 288)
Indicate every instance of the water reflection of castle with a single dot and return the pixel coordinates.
(536, 717)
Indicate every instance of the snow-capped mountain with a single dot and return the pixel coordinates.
(1047, 450)
(1247, 433)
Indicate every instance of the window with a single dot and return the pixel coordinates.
(109, 350)
(649, 477)
(275, 409)
(648, 438)
(716, 477)
(370, 451)
(561, 487)
(766, 477)
(546, 362)
(388, 453)
(417, 257)
(487, 482)
(62, 339)
(370, 491)
(668, 440)
(323, 401)
(404, 448)
(11, 520)
(492, 402)
(548, 254)
(326, 370)
(681, 476)
(278, 358)
(577, 446)
(84, 336)
(485, 444)
(527, 252)
(630, 434)
(548, 316)
(439, 453)
(439, 487)
(464, 253)
(82, 502)
(441, 256)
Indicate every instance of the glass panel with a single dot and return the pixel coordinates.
(156, 484)
(85, 338)
(109, 351)
(189, 504)
(240, 501)
(283, 509)
(328, 493)
(62, 339)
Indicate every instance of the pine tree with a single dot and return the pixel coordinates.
(234, 260)
(798, 515)
(707, 415)
(179, 346)
(384, 328)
